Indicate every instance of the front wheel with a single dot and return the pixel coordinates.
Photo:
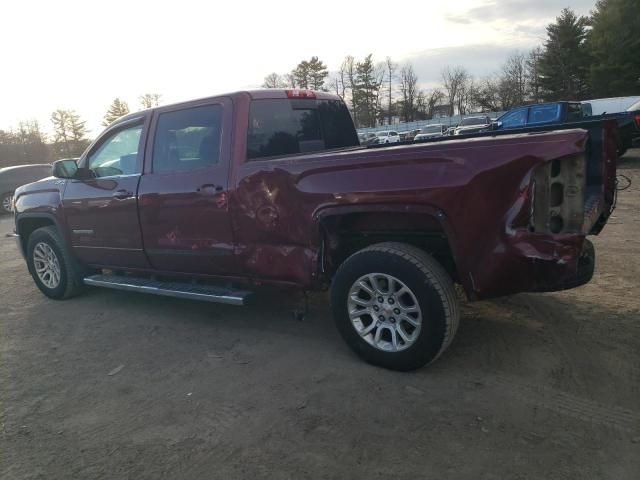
(53, 269)
(395, 306)
(6, 200)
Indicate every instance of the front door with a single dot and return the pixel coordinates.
(183, 198)
(101, 211)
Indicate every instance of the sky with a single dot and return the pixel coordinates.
(80, 55)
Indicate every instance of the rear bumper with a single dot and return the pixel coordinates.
(535, 263)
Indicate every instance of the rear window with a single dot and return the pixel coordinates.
(285, 127)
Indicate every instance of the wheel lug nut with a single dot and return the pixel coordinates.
(396, 311)
(392, 320)
(391, 301)
(381, 318)
(376, 308)
(380, 299)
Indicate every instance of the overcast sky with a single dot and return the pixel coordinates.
(81, 54)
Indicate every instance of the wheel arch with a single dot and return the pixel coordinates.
(347, 229)
(27, 223)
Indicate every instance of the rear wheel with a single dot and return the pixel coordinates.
(53, 269)
(6, 200)
(395, 306)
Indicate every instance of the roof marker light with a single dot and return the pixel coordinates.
(300, 94)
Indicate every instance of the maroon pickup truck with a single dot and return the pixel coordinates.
(208, 198)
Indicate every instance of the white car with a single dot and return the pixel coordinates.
(431, 131)
(388, 136)
(475, 124)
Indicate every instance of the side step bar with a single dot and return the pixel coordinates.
(191, 291)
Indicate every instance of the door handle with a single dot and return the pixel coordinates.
(122, 194)
(208, 187)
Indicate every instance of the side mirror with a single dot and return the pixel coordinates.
(67, 168)
(496, 125)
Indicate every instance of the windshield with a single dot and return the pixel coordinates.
(432, 129)
(635, 106)
(473, 121)
(382, 134)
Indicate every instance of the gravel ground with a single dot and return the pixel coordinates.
(123, 385)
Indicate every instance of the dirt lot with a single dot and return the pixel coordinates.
(119, 385)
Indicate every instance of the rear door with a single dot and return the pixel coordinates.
(183, 195)
(101, 212)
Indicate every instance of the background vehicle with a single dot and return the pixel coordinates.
(600, 106)
(472, 125)
(409, 135)
(272, 187)
(368, 139)
(388, 137)
(558, 113)
(13, 177)
(431, 131)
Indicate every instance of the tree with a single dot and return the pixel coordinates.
(514, 80)
(454, 80)
(365, 91)
(533, 75)
(409, 92)
(69, 133)
(150, 100)
(564, 62)
(310, 74)
(614, 44)
(117, 109)
(390, 70)
(317, 74)
(274, 80)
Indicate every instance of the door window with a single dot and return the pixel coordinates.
(187, 139)
(514, 119)
(118, 154)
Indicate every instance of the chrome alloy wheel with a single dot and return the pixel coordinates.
(7, 203)
(384, 312)
(47, 265)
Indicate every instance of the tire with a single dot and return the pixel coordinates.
(430, 288)
(5, 202)
(70, 278)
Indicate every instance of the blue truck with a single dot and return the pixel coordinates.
(557, 113)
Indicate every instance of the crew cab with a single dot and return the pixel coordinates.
(212, 198)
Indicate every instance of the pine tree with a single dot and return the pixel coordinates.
(564, 62)
(365, 91)
(317, 74)
(117, 109)
(69, 133)
(615, 45)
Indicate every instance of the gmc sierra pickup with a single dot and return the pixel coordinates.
(206, 198)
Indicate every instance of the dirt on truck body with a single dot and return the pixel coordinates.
(272, 187)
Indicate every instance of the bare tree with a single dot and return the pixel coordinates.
(273, 80)
(533, 74)
(390, 71)
(453, 81)
(514, 80)
(409, 92)
(431, 99)
(150, 100)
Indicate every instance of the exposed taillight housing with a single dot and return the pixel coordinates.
(301, 93)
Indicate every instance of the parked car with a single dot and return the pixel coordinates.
(409, 135)
(369, 139)
(13, 177)
(431, 131)
(388, 137)
(563, 112)
(238, 189)
(473, 124)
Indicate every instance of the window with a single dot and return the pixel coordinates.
(283, 127)
(574, 112)
(187, 139)
(544, 113)
(514, 119)
(118, 154)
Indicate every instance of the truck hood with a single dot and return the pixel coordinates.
(45, 193)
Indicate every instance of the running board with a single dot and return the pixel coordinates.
(191, 291)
